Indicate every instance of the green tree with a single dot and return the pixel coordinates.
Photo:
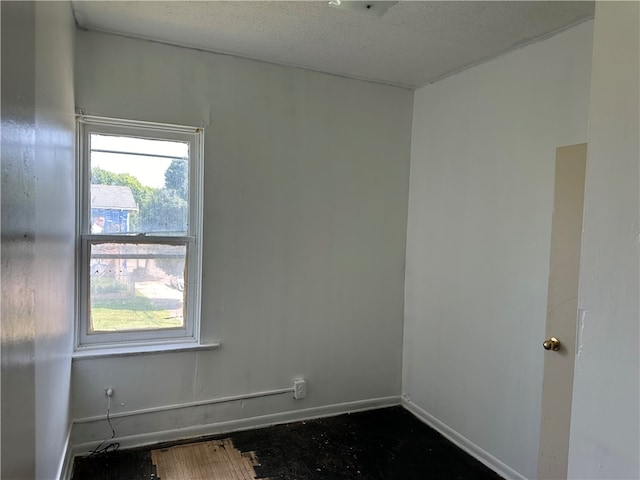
(176, 178)
(164, 212)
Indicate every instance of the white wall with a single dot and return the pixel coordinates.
(605, 421)
(306, 186)
(480, 205)
(38, 243)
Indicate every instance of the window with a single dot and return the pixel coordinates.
(140, 232)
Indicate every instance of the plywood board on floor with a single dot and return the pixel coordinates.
(212, 460)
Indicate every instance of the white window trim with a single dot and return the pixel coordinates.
(142, 340)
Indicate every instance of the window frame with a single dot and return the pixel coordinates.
(190, 333)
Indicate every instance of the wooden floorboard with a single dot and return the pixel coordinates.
(212, 460)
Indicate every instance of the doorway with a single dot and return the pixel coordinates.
(559, 345)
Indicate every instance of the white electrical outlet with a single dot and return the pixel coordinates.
(299, 389)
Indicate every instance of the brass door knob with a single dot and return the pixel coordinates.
(552, 344)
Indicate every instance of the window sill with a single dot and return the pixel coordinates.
(131, 351)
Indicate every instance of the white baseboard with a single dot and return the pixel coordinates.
(66, 462)
(463, 443)
(196, 431)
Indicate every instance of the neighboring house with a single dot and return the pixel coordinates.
(115, 204)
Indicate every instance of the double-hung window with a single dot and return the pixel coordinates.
(140, 233)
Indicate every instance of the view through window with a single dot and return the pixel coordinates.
(138, 235)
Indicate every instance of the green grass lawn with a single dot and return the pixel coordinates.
(130, 313)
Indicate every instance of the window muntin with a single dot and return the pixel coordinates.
(140, 229)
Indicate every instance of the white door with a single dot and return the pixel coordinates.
(562, 311)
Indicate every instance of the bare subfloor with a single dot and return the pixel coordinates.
(385, 444)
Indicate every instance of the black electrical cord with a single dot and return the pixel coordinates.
(111, 447)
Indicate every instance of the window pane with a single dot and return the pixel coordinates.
(138, 185)
(136, 286)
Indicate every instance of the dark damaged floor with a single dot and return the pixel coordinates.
(385, 444)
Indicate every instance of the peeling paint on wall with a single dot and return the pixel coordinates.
(582, 317)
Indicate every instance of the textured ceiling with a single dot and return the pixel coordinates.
(414, 43)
